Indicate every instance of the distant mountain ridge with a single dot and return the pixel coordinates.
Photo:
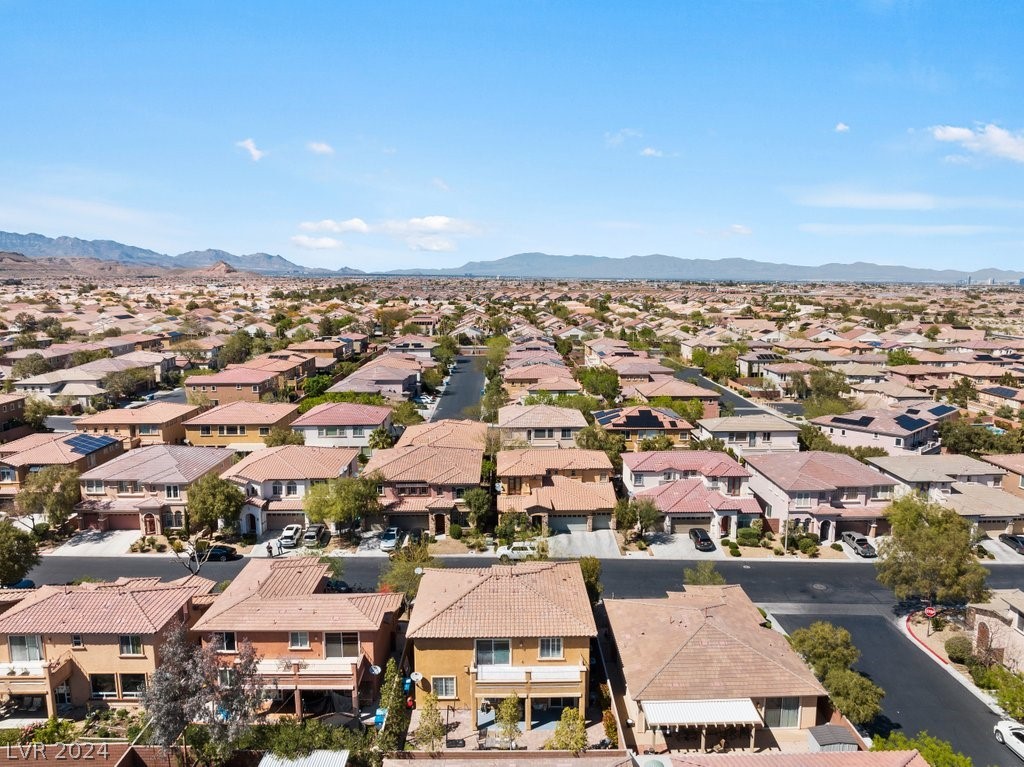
(520, 265)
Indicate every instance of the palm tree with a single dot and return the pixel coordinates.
(381, 439)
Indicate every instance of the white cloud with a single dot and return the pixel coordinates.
(439, 183)
(650, 151)
(430, 225)
(316, 243)
(842, 128)
(338, 227)
(320, 147)
(899, 230)
(741, 229)
(619, 137)
(430, 242)
(984, 140)
(858, 199)
(250, 146)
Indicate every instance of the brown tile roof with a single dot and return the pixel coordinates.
(531, 599)
(161, 464)
(563, 495)
(531, 462)
(816, 759)
(245, 413)
(708, 463)
(293, 462)
(1013, 462)
(705, 643)
(58, 450)
(434, 465)
(448, 432)
(542, 416)
(343, 414)
(691, 496)
(673, 387)
(154, 413)
(816, 470)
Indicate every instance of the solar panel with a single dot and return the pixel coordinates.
(83, 444)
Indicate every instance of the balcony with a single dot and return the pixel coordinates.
(552, 680)
(34, 676)
(310, 674)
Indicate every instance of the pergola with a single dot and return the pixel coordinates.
(670, 716)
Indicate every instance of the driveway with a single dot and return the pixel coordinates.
(93, 543)
(1003, 553)
(599, 543)
(679, 546)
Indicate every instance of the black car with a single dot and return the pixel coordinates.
(1015, 542)
(221, 553)
(701, 540)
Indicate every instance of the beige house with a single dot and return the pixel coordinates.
(153, 424)
(690, 674)
(22, 457)
(1013, 466)
(240, 426)
(998, 627)
(472, 654)
(540, 425)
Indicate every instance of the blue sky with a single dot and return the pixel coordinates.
(386, 135)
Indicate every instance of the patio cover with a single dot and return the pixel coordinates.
(690, 713)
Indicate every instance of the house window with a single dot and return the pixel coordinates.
(133, 685)
(881, 492)
(566, 433)
(551, 648)
(298, 640)
(899, 441)
(782, 712)
(103, 685)
(802, 500)
(225, 641)
(146, 429)
(460, 493)
(275, 490)
(264, 431)
(204, 431)
(851, 493)
(493, 652)
(444, 686)
(77, 642)
(357, 431)
(341, 645)
(291, 489)
(225, 677)
(172, 492)
(25, 647)
(256, 388)
(638, 480)
(766, 436)
(92, 486)
(7, 475)
(131, 644)
(768, 511)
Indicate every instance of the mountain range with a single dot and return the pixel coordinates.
(521, 265)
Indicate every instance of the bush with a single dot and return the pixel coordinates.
(610, 730)
(813, 536)
(177, 546)
(806, 545)
(641, 544)
(959, 648)
(939, 623)
(836, 546)
(779, 551)
(41, 530)
(747, 536)
(161, 547)
(735, 552)
(983, 676)
(455, 531)
(725, 542)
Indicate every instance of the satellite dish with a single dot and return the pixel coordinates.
(375, 670)
(416, 676)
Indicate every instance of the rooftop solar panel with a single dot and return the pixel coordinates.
(88, 443)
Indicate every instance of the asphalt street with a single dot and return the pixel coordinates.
(463, 389)
(740, 405)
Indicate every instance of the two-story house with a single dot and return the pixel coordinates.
(639, 422)
(1013, 466)
(822, 493)
(679, 391)
(234, 385)
(22, 457)
(276, 480)
(692, 488)
(540, 425)
(12, 417)
(290, 367)
(152, 424)
(239, 426)
(343, 424)
(472, 654)
(317, 649)
(933, 476)
(95, 644)
(422, 486)
(146, 489)
(898, 432)
(749, 435)
(561, 490)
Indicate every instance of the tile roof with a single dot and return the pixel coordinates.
(932, 468)
(691, 496)
(58, 450)
(153, 413)
(161, 464)
(641, 417)
(448, 432)
(707, 642)
(433, 465)
(1013, 462)
(563, 495)
(531, 462)
(816, 470)
(244, 413)
(673, 387)
(542, 416)
(535, 598)
(881, 421)
(293, 462)
(343, 414)
(747, 423)
(816, 759)
(709, 463)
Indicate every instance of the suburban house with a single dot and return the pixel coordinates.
(692, 488)
(822, 493)
(934, 476)
(330, 349)
(343, 424)
(12, 416)
(996, 397)
(79, 385)
(422, 486)
(690, 679)
(22, 457)
(1013, 466)
(555, 386)
(239, 426)
(472, 655)
(152, 424)
(680, 391)
(448, 432)
(418, 346)
(318, 649)
(560, 490)
(290, 367)
(998, 628)
(540, 425)
(232, 385)
(896, 431)
(275, 481)
(519, 381)
(395, 376)
(94, 644)
(751, 434)
(639, 422)
(146, 489)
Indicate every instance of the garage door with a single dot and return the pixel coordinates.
(992, 526)
(683, 525)
(859, 526)
(278, 520)
(127, 521)
(410, 521)
(566, 524)
(602, 521)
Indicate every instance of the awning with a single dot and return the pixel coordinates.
(689, 713)
(245, 447)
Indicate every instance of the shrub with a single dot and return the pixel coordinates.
(455, 531)
(813, 536)
(610, 730)
(959, 648)
(161, 547)
(725, 542)
(939, 623)
(747, 536)
(836, 546)
(177, 546)
(779, 551)
(41, 530)
(735, 552)
(641, 544)
(983, 676)
(806, 545)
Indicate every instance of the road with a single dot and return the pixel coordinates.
(463, 389)
(740, 405)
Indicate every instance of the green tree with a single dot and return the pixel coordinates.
(938, 753)
(19, 553)
(91, 355)
(123, 384)
(600, 381)
(478, 506)
(595, 437)
(237, 349)
(854, 695)
(721, 366)
(399, 574)
(816, 406)
(446, 351)
(212, 500)
(897, 357)
(282, 435)
(591, 569)
(825, 647)
(36, 411)
(405, 414)
(431, 730)
(31, 365)
(704, 574)
(507, 719)
(929, 554)
(360, 398)
(381, 439)
(344, 500)
(570, 732)
(827, 384)
(963, 392)
(497, 350)
(314, 386)
(52, 492)
(658, 442)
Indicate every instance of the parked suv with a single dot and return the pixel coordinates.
(519, 550)
(389, 539)
(1015, 542)
(313, 536)
(701, 540)
(861, 546)
(290, 536)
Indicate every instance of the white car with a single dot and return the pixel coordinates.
(389, 539)
(291, 536)
(1011, 735)
(519, 550)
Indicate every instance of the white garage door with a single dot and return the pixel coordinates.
(559, 524)
(602, 521)
(683, 525)
(278, 520)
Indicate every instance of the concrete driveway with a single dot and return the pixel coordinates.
(1003, 553)
(679, 546)
(93, 543)
(599, 543)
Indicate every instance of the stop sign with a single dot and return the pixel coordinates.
(929, 612)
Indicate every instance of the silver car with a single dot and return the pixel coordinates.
(861, 546)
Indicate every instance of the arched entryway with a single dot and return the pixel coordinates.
(725, 526)
(149, 524)
(440, 524)
(250, 524)
(825, 530)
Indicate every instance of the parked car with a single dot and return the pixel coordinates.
(24, 583)
(314, 535)
(518, 551)
(1015, 542)
(861, 546)
(389, 539)
(1011, 735)
(291, 535)
(219, 552)
(701, 540)
(338, 587)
